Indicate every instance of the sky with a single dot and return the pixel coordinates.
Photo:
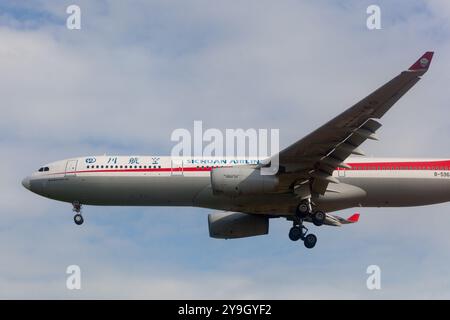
(137, 70)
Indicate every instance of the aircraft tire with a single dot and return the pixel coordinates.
(318, 218)
(310, 241)
(295, 233)
(78, 219)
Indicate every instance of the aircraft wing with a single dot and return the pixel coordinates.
(314, 158)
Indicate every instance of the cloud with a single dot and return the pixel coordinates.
(136, 72)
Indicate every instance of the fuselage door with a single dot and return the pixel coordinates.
(177, 167)
(71, 167)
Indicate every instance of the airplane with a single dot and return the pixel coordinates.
(317, 175)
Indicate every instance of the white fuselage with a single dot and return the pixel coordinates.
(166, 181)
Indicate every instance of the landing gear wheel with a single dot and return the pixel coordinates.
(295, 233)
(302, 210)
(318, 218)
(310, 241)
(78, 218)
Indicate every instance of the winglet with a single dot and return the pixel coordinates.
(354, 218)
(423, 63)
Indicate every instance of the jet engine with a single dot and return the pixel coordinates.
(241, 181)
(231, 225)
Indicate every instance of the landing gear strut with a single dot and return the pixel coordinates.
(299, 231)
(77, 218)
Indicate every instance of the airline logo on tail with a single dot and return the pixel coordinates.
(424, 62)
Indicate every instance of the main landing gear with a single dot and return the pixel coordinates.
(299, 231)
(77, 218)
(305, 210)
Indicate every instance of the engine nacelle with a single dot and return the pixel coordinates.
(241, 181)
(231, 225)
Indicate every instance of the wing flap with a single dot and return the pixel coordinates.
(349, 146)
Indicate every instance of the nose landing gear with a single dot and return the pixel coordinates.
(77, 218)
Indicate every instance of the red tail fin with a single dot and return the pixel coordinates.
(423, 63)
(354, 218)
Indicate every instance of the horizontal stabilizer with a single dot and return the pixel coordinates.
(354, 218)
(337, 221)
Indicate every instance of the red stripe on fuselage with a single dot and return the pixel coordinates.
(401, 165)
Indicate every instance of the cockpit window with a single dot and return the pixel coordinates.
(41, 169)
(46, 169)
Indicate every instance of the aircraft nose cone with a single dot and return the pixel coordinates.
(26, 182)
